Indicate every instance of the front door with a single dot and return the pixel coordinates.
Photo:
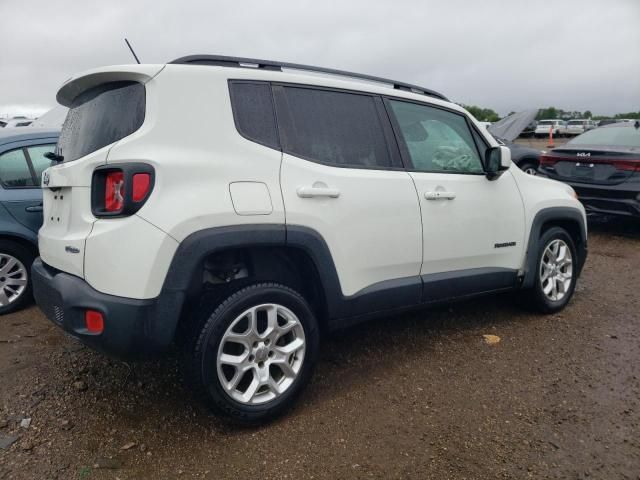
(342, 177)
(473, 227)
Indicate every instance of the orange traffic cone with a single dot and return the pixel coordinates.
(551, 145)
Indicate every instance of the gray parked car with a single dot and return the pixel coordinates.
(507, 130)
(22, 160)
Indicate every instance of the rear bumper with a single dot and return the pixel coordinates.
(610, 201)
(132, 327)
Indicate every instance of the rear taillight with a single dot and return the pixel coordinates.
(141, 185)
(547, 161)
(627, 165)
(114, 192)
(120, 191)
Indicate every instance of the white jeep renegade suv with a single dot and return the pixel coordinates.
(291, 203)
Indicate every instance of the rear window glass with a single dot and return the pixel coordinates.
(610, 136)
(336, 128)
(100, 116)
(253, 112)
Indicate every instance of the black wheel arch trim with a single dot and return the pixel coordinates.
(546, 216)
(386, 296)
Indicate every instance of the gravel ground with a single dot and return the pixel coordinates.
(418, 396)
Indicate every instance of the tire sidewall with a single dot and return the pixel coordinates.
(217, 325)
(555, 233)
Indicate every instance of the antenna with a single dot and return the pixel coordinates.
(132, 52)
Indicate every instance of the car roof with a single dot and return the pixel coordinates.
(8, 135)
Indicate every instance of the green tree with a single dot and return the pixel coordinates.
(587, 114)
(482, 114)
(549, 112)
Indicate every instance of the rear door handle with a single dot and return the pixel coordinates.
(311, 192)
(439, 195)
(34, 208)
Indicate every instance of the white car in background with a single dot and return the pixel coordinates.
(558, 126)
(579, 126)
(15, 122)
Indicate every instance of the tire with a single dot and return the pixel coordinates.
(529, 167)
(541, 296)
(15, 283)
(274, 360)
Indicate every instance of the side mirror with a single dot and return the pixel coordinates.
(497, 160)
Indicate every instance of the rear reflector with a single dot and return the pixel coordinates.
(114, 192)
(141, 184)
(94, 321)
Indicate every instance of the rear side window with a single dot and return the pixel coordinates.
(100, 116)
(14, 170)
(253, 112)
(336, 128)
(38, 160)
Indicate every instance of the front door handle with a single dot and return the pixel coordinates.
(34, 208)
(311, 192)
(439, 195)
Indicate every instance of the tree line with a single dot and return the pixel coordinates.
(489, 115)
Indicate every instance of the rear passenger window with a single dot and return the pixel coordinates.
(14, 170)
(336, 128)
(253, 112)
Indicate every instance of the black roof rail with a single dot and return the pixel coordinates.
(224, 61)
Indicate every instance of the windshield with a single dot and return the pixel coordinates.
(546, 122)
(576, 122)
(613, 136)
(100, 116)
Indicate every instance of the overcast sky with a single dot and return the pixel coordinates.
(505, 55)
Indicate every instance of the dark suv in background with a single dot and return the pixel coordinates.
(22, 161)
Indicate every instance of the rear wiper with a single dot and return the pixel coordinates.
(54, 157)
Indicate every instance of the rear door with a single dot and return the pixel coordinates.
(473, 228)
(20, 170)
(342, 177)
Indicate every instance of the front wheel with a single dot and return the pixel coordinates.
(529, 168)
(556, 271)
(251, 355)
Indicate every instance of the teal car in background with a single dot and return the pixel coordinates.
(22, 162)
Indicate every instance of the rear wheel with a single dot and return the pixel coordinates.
(15, 278)
(555, 271)
(250, 356)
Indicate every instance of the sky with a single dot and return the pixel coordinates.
(506, 55)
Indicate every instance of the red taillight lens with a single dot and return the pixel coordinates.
(122, 190)
(114, 192)
(141, 184)
(547, 161)
(94, 321)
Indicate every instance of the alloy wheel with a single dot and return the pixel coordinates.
(13, 279)
(556, 270)
(261, 354)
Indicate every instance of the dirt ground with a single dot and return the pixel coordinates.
(420, 396)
